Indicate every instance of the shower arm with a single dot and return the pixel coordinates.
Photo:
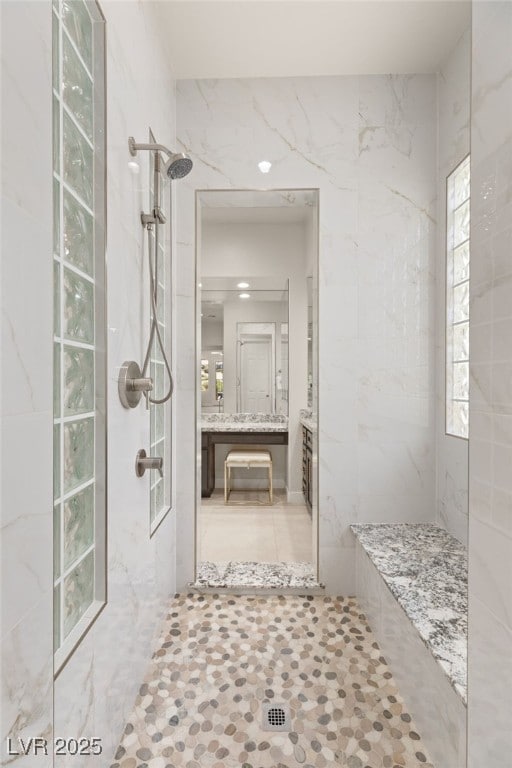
(133, 147)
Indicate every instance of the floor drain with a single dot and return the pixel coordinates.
(276, 717)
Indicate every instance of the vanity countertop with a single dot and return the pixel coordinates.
(308, 420)
(244, 422)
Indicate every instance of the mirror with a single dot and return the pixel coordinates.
(244, 347)
(257, 282)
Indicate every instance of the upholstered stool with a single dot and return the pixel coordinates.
(250, 459)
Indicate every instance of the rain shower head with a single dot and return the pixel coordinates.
(176, 167)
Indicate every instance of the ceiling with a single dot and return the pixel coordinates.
(286, 38)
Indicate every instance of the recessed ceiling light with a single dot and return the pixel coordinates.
(244, 295)
(264, 166)
(242, 285)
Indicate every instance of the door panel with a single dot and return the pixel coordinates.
(256, 375)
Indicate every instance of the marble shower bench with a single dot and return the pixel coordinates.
(411, 581)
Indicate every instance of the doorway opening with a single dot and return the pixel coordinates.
(257, 265)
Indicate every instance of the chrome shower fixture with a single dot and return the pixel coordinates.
(177, 166)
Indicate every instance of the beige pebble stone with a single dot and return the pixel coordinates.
(158, 762)
(130, 740)
(276, 753)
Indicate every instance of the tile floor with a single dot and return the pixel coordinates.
(249, 529)
(220, 657)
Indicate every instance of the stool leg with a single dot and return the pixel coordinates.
(270, 489)
(225, 482)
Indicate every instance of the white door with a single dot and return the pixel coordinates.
(256, 374)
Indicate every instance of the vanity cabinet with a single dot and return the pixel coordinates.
(243, 435)
(307, 466)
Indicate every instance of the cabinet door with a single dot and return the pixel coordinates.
(304, 464)
(309, 498)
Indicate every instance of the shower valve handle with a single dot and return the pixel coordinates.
(131, 384)
(143, 462)
(140, 385)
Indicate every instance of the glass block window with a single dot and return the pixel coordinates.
(79, 327)
(457, 300)
(160, 413)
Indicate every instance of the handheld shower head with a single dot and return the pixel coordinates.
(176, 167)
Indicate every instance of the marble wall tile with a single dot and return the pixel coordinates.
(26, 377)
(95, 691)
(141, 570)
(27, 684)
(454, 96)
(490, 509)
(368, 144)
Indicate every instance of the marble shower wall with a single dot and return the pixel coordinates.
(454, 95)
(369, 145)
(490, 452)
(26, 376)
(95, 691)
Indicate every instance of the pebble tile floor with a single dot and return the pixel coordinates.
(219, 657)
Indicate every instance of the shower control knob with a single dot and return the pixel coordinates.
(131, 384)
(143, 462)
(139, 385)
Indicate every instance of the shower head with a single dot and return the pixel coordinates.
(176, 167)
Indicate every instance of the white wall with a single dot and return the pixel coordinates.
(96, 690)
(212, 334)
(26, 377)
(369, 145)
(490, 446)
(454, 94)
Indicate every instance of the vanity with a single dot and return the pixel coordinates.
(236, 429)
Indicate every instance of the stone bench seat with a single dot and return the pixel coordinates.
(412, 584)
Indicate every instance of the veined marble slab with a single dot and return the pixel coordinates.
(244, 422)
(426, 570)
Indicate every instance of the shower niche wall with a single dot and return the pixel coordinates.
(159, 413)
